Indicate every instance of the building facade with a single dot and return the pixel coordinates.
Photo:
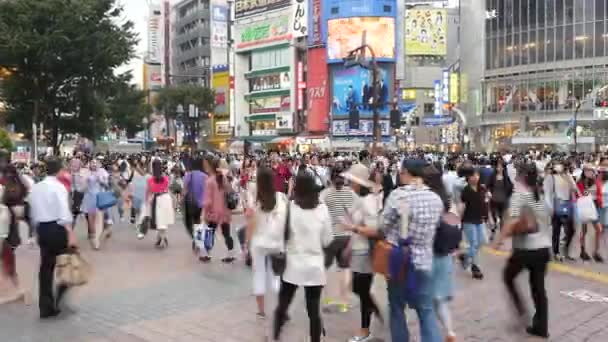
(269, 59)
(191, 42)
(430, 74)
(545, 73)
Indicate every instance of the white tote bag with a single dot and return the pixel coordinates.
(585, 209)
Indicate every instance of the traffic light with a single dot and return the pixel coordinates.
(395, 118)
(353, 118)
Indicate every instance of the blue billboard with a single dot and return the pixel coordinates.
(352, 88)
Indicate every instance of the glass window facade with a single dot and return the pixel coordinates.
(544, 92)
(265, 59)
(527, 32)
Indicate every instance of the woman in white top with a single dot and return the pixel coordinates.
(309, 232)
(265, 233)
(364, 221)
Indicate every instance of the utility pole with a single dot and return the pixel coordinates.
(575, 133)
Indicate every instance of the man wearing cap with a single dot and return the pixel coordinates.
(422, 208)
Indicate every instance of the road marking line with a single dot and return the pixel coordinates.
(561, 268)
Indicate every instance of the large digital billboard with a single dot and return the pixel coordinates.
(426, 32)
(352, 87)
(346, 34)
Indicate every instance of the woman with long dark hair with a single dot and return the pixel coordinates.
(530, 228)
(500, 188)
(446, 241)
(215, 209)
(264, 235)
(309, 232)
(472, 198)
(159, 203)
(591, 185)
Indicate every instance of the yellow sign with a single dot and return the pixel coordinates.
(454, 88)
(426, 32)
(408, 94)
(220, 83)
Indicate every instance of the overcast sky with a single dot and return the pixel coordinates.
(136, 11)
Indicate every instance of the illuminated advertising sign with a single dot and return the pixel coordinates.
(317, 91)
(352, 87)
(438, 103)
(244, 8)
(445, 87)
(426, 32)
(408, 94)
(271, 82)
(366, 127)
(301, 86)
(345, 35)
(222, 128)
(264, 32)
(270, 104)
(155, 78)
(219, 82)
(454, 88)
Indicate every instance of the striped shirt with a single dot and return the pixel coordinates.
(524, 198)
(339, 202)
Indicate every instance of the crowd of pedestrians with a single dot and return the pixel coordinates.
(405, 216)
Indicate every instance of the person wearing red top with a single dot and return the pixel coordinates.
(589, 184)
(160, 204)
(281, 175)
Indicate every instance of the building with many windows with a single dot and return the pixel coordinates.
(191, 42)
(545, 72)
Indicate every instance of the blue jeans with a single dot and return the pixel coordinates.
(475, 234)
(422, 303)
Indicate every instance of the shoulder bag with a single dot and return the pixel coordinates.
(278, 261)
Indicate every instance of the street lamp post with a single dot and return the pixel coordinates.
(575, 136)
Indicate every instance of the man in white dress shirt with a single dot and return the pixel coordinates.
(52, 217)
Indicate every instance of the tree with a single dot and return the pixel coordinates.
(5, 140)
(63, 53)
(126, 106)
(170, 98)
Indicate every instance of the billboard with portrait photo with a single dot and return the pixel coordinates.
(345, 35)
(352, 87)
(426, 32)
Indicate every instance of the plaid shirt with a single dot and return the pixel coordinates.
(425, 209)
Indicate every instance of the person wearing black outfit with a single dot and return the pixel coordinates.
(531, 248)
(500, 188)
(473, 200)
(390, 181)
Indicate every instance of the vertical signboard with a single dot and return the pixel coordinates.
(438, 103)
(301, 85)
(454, 88)
(219, 27)
(220, 83)
(445, 87)
(299, 18)
(317, 91)
(315, 36)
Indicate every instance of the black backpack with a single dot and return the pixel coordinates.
(448, 235)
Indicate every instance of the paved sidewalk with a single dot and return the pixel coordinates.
(141, 294)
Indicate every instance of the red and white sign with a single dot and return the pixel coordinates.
(301, 85)
(317, 90)
(20, 157)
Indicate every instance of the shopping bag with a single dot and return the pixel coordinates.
(106, 199)
(585, 209)
(209, 238)
(199, 236)
(71, 269)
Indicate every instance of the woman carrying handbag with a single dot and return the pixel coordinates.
(530, 229)
(309, 232)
